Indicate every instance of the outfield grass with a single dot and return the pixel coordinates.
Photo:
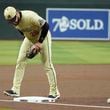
(64, 52)
(6, 108)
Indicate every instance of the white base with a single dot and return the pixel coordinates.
(34, 99)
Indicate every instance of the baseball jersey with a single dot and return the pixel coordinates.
(30, 21)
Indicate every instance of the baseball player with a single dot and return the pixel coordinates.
(37, 39)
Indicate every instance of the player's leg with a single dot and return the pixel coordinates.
(48, 66)
(20, 68)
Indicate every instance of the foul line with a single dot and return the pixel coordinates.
(79, 105)
(63, 104)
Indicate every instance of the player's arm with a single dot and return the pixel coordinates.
(38, 45)
(43, 27)
(43, 34)
(20, 32)
(44, 31)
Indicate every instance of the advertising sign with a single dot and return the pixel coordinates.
(78, 24)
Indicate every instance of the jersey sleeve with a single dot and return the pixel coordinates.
(38, 21)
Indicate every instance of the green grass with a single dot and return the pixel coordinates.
(64, 52)
(6, 108)
(80, 52)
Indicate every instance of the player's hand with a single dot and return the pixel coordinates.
(35, 49)
(37, 46)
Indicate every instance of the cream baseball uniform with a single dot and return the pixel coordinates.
(31, 21)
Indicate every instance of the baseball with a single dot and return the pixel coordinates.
(108, 100)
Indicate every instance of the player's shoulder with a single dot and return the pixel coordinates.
(29, 12)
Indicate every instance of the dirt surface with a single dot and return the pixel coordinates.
(82, 87)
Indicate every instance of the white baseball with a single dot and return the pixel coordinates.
(108, 100)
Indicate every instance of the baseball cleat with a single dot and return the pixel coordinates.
(54, 97)
(10, 93)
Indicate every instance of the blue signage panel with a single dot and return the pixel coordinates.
(78, 23)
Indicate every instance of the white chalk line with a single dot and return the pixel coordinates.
(63, 104)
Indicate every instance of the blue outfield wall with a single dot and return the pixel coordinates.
(8, 32)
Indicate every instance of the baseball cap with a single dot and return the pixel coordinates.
(9, 12)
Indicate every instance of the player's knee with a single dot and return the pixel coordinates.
(21, 60)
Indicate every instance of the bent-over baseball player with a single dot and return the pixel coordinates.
(37, 39)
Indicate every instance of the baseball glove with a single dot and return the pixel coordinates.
(32, 53)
